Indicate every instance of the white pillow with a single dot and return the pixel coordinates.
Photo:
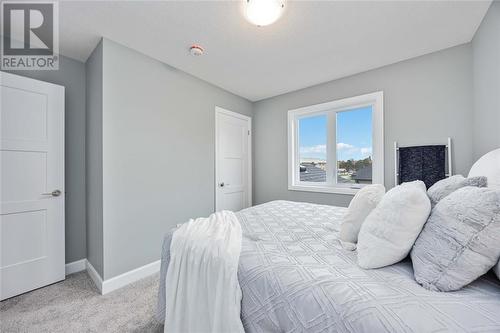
(487, 166)
(361, 205)
(389, 232)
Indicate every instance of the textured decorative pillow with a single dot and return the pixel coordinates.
(361, 205)
(388, 233)
(461, 240)
(446, 186)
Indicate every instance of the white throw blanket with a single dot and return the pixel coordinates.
(202, 289)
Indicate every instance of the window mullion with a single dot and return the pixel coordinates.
(297, 150)
(331, 154)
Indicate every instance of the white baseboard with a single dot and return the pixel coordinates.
(130, 277)
(94, 276)
(117, 282)
(75, 266)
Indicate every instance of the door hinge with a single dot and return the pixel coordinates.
(248, 132)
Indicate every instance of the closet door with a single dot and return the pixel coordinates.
(32, 184)
(233, 163)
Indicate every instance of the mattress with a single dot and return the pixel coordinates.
(295, 277)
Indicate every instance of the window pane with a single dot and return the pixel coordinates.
(312, 148)
(354, 146)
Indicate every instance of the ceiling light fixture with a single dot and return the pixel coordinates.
(264, 12)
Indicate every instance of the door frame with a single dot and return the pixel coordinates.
(219, 110)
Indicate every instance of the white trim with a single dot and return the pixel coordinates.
(94, 276)
(117, 282)
(219, 110)
(326, 189)
(376, 100)
(331, 155)
(75, 266)
(129, 277)
(341, 104)
(378, 137)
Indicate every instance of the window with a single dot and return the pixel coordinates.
(336, 147)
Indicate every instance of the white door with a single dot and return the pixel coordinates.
(233, 188)
(32, 184)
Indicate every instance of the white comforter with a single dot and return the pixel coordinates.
(202, 289)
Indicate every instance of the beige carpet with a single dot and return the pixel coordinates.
(74, 305)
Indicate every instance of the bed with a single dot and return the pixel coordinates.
(295, 277)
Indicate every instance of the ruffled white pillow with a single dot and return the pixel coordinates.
(461, 240)
(449, 185)
(390, 230)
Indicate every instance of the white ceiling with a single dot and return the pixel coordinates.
(314, 41)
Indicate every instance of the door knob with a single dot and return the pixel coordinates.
(221, 184)
(54, 193)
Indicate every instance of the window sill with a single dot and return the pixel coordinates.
(325, 189)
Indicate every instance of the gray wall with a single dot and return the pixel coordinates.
(71, 75)
(94, 158)
(486, 68)
(158, 153)
(427, 99)
(151, 184)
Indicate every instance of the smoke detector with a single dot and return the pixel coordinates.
(196, 50)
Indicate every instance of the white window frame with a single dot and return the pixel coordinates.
(376, 101)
